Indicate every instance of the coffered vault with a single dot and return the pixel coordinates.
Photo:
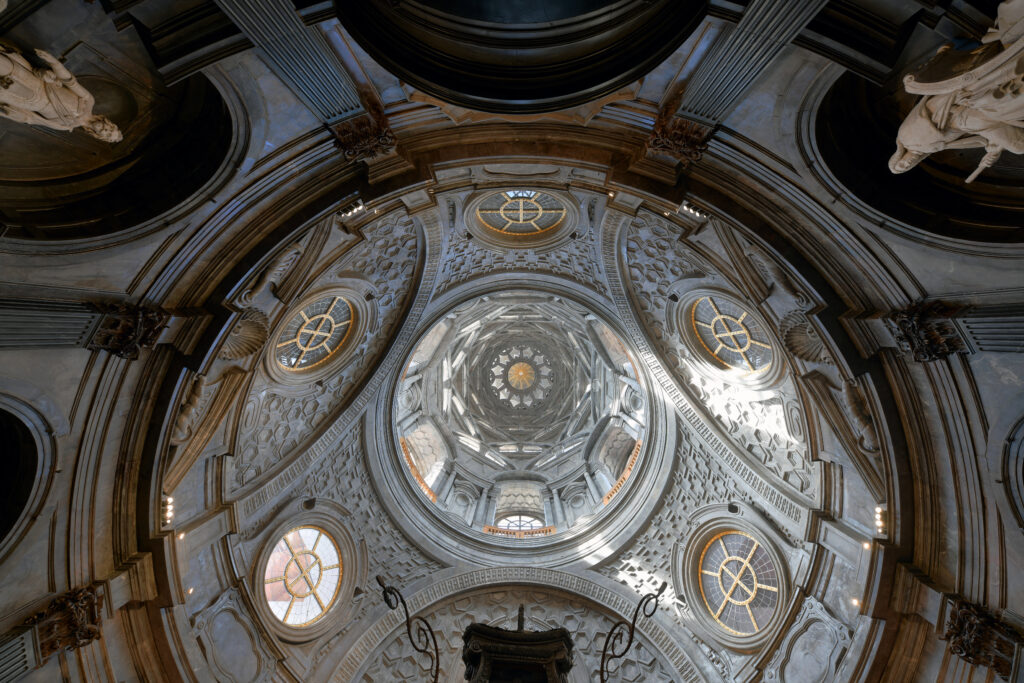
(637, 302)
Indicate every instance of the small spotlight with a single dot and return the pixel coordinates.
(855, 602)
(611, 194)
(878, 510)
(181, 536)
(190, 590)
(867, 546)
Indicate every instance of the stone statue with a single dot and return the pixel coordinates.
(971, 98)
(48, 96)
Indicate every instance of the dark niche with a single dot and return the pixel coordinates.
(520, 57)
(21, 460)
(856, 135)
(57, 185)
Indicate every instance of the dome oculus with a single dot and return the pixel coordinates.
(521, 213)
(739, 583)
(315, 334)
(731, 336)
(522, 376)
(303, 576)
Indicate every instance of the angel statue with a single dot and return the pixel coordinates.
(48, 96)
(970, 99)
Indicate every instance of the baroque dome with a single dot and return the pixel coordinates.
(585, 306)
(521, 403)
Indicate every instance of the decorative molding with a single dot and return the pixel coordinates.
(802, 338)
(813, 647)
(225, 630)
(740, 57)
(300, 55)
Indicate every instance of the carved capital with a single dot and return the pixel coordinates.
(981, 639)
(70, 621)
(124, 329)
(680, 138)
(363, 137)
(926, 331)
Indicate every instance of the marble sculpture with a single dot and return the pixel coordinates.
(48, 96)
(970, 98)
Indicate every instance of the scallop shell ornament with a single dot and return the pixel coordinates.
(248, 335)
(802, 339)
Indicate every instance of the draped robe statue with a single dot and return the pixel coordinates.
(48, 96)
(971, 99)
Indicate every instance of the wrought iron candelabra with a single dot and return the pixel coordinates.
(421, 635)
(648, 604)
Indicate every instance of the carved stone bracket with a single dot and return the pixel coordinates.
(124, 329)
(69, 622)
(980, 638)
(926, 331)
(680, 138)
(363, 137)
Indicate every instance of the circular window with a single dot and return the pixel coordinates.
(521, 376)
(731, 336)
(315, 334)
(519, 523)
(521, 212)
(739, 583)
(521, 218)
(302, 576)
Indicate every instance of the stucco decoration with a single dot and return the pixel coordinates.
(234, 649)
(48, 96)
(698, 480)
(574, 258)
(274, 274)
(247, 336)
(766, 421)
(813, 648)
(802, 338)
(276, 418)
(971, 98)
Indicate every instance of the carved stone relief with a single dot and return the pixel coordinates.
(802, 338)
(813, 648)
(576, 259)
(125, 329)
(275, 421)
(544, 609)
(768, 425)
(274, 274)
(234, 649)
(925, 331)
(697, 481)
(69, 622)
(247, 336)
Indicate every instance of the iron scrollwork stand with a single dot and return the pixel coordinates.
(648, 604)
(424, 636)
